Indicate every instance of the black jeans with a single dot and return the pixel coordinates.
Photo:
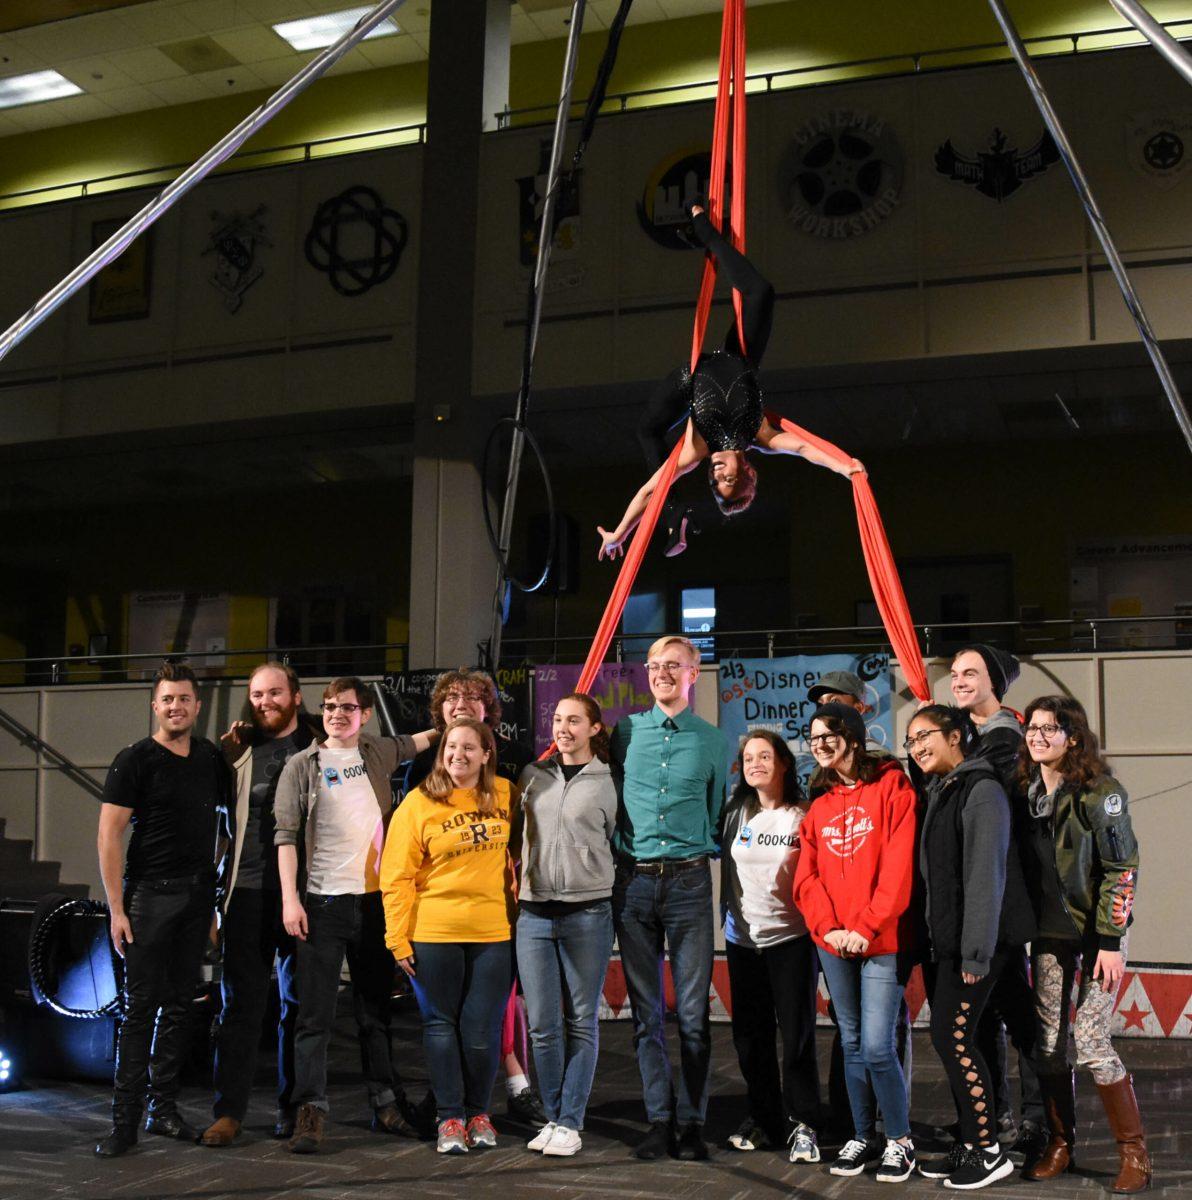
(170, 921)
(337, 925)
(956, 1009)
(253, 936)
(773, 993)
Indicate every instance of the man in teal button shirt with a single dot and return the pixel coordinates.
(674, 790)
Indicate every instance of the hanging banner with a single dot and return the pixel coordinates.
(619, 689)
(771, 693)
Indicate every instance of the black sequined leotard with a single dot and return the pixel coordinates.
(726, 401)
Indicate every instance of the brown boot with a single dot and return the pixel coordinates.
(308, 1130)
(1059, 1103)
(222, 1132)
(1121, 1107)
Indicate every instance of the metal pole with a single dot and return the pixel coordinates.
(1154, 32)
(222, 150)
(1129, 295)
(545, 238)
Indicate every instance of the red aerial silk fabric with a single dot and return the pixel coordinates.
(879, 562)
(883, 575)
(730, 102)
(730, 92)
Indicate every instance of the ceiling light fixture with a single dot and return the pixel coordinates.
(313, 33)
(35, 87)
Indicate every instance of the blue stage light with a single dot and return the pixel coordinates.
(9, 1079)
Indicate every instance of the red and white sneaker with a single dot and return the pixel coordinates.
(452, 1138)
(480, 1133)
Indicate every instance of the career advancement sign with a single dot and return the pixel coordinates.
(771, 693)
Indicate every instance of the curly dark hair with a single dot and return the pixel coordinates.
(1083, 761)
(467, 680)
(868, 765)
(745, 795)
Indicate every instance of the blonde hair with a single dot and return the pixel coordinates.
(674, 640)
(439, 785)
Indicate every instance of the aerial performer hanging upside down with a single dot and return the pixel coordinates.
(724, 402)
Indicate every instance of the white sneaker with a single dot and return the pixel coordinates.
(564, 1143)
(539, 1140)
(804, 1147)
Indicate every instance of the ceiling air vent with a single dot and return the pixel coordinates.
(196, 55)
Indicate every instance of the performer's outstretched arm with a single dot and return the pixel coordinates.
(694, 449)
(774, 441)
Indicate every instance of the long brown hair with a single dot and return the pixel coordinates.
(1083, 761)
(439, 785)
(745, 795)
(867, 764)
(601, 746)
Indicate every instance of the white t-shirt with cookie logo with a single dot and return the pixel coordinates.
(349, 832)
(765, 853)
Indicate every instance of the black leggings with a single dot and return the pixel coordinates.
(670, 401)
(956, 1009)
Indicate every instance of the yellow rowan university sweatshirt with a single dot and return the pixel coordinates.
(445, 871)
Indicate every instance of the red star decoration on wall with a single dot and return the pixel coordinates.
(1134, 1016)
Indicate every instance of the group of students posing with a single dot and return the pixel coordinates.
(996, 836)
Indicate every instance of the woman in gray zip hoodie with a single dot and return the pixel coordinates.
(565, 923)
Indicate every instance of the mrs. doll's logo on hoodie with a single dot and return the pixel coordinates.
(846, 834)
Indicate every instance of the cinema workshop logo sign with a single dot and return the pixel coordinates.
(841, 175)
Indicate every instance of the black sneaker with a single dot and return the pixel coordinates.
(855, 1155)
(1007, 1130)
(981, 1167)
(1028, 1145)
(941, 1168)
(898, 1162)
(657, 1143)
(527, 1108)
(691, 1146)
(750, 1136)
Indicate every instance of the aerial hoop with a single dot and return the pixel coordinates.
(502, 555)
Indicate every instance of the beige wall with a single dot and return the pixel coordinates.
(950, 272)
(1135, 699)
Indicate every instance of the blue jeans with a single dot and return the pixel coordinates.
(653, 914)
(461, 989)
(866, 994)
(562, 962)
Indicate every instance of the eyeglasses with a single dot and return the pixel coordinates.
(913, 743)
(666, 668)
(468, 697)
(329, 707)
(1047, 731)
(822, 739)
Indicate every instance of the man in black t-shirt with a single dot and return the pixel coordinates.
(253, 935)
(175, 789)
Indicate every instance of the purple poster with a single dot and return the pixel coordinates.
(619, 688)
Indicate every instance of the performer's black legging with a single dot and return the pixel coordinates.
(671, 400)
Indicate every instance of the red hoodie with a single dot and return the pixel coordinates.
(857, 861)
